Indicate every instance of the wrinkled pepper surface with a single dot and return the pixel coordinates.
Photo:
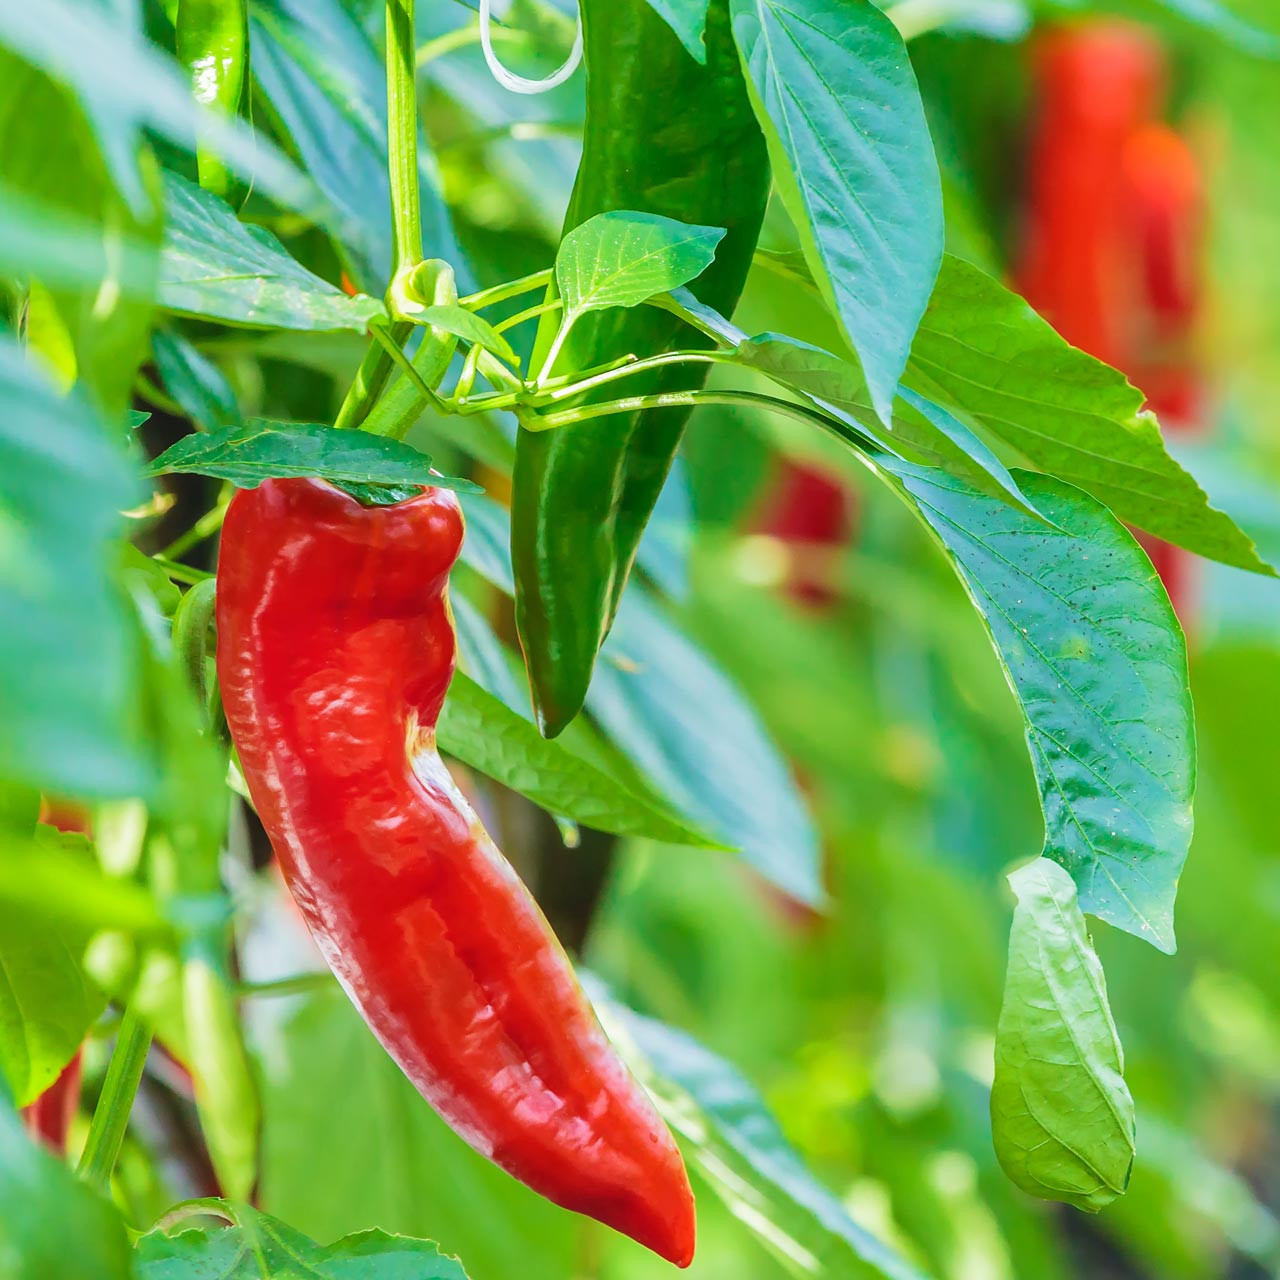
(335, 649)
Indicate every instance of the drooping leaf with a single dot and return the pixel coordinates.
(259, 1245)
(1062, 1117)
(983, 350)
(840, 109)
(1095, 656)
(259, 449)
(735, 1143)
(215, 266)
(484, 733)
(51, 1223)
(68, 670)
(622, 259)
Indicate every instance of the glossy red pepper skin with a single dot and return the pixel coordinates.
(335, 649)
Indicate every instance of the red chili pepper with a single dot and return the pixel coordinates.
(49, 1117)
(812, 512)
(335, 648)
(1113, 225)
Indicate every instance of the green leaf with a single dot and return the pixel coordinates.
(51, 1224)
(261, 448)
(929, 433)
(984, 350)
(622, 259)
(733, 1140)
(1092, 650)
(194, 381)
(836, 97)
(127, 84)
(482, 732)
(692, 733)
(688, 19)
(68, 668)
(1062, 1118)
(259, 1245)
(215, 266)
(47, 1001)
(466, 324)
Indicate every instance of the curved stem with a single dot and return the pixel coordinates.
(181, 572)
(205, 527)
(398, 357)
(529, 313)
(371, 377)
(111, 1116)
(510, 289)
(636, 366)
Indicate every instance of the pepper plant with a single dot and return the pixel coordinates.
(297, 289)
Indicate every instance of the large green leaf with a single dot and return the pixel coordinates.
(1061, 1114)
(215, 266)
(249, 453)
(258, 1246)
(983, 350)
(68, 669)
(735, 1143)
(1095, 656)
(47, 1001)
(694, 736)
(839, 105)
(127, 84)
(622, 258)
(484, 733)
(194, 381)
(51, 1224)
(688, 19)
(327, 86)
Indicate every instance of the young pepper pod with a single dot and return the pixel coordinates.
(335, 649)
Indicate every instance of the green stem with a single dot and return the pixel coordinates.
(398, 357)
(511, 289)
(675, 399)
(402, 135)
(205, 527)
(460, 37)
(298, 984)
(569, 389)
(529, 313)
(111, 1116)
(553, 351)
(181, 572)
(371, 377)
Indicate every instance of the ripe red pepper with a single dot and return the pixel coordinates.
(335, 649)
(812, 512)
(1112, 229)
(48, 1118)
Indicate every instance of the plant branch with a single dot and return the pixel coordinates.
(111, 1116)
(511, 289)
(402, 136)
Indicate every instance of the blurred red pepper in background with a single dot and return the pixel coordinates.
(1113, 225)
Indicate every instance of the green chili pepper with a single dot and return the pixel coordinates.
(213, 44)
(667, 136)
